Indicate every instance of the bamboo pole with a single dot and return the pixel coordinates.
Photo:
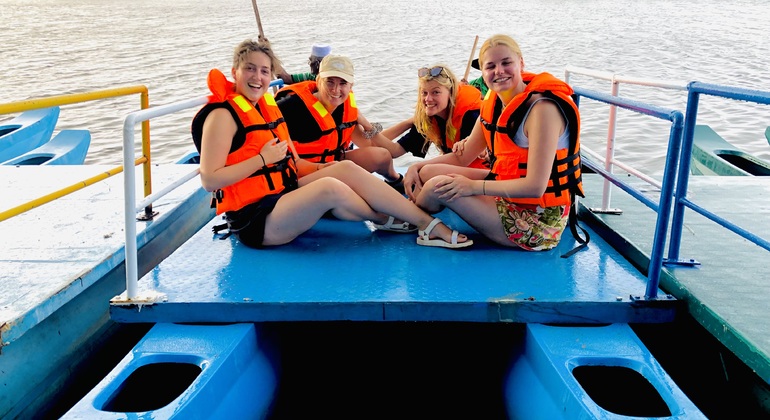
(259, 21)
(470, 59)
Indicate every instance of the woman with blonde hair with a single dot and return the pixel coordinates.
(446, 112)
(531, 125)
(267, 194)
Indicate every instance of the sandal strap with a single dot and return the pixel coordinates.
(430, 227)
(454, 237)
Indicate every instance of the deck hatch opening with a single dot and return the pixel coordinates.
(152, 386)
(621, 390)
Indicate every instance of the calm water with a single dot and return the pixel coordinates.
(51, 47)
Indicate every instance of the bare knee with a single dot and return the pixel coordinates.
(381, 157)
(430, 171)
(347, 166)
(428, 199)
(328, 190)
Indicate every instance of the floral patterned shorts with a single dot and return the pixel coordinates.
(532, 227)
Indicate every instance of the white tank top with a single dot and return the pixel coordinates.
(521, 139)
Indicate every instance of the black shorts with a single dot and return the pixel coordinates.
(248, 223)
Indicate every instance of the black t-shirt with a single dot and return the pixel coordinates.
(303, 127)
(414, 143)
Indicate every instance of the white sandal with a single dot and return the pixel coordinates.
(390, 226)
(423, 237)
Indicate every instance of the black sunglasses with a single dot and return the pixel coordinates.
(433, 71)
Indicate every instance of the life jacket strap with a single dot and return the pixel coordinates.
(573, 226)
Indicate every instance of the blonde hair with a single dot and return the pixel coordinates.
(248, 46)
(494, 41)
(423, 122)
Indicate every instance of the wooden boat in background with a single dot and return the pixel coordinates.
(26, 132)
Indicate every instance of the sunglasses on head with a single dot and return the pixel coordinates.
(432, 72)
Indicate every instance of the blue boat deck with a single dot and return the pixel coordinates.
(343, 271)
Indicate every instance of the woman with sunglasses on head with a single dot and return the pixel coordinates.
(323, 115)
(268, 195)
(530, 124)
(446, 112)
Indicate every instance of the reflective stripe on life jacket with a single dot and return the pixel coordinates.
(256, 126)
(509, 161)
(335, 138)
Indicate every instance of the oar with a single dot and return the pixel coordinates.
(470, 59)
(262, 35)
(259, 21)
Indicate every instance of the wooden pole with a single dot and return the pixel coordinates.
(470, 59)
(259, 21)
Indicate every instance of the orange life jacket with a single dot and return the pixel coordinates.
(258, 126)
(509, 161)
(335, 139)
(468, 99)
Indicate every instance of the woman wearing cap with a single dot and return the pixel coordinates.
(323, 116)
(269, 197)
(446, 112)
(531, 126)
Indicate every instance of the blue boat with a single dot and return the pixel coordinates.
(68, 147)
(397, 330)
(651, 320)
(26, 132)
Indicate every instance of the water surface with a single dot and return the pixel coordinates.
(66, 46)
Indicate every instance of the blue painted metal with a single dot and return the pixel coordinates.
(68, 147)
(27, 131)
(277, 83)
(669, 180)
(55, 285)
(541, 383)
(343, 271)
(237, 378)
(695, 89)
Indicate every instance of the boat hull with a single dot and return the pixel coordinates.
(26, 132)
(68, 147)
(591, 372)
(712, 155)
(188, 371)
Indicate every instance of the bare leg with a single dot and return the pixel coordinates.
(374, 159)
(479, 211)
(380, 197)
(429, 171)
(299, 210)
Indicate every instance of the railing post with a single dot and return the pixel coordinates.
(610, 151)
(683, 178)
(664, 207)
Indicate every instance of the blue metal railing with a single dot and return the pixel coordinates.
(663, 207)
(674, 190)
(695, 89)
